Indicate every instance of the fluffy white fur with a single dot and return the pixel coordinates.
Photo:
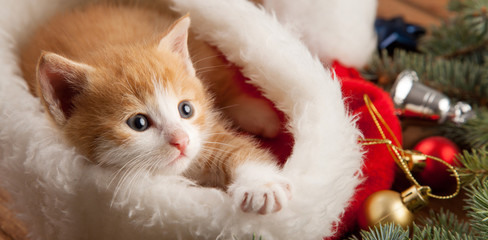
(333, 29)
(60, 196)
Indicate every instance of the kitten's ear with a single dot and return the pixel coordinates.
(60, 81)
(176, 39)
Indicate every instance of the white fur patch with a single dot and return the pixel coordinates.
(165, 113)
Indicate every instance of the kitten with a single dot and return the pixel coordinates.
(128, 98)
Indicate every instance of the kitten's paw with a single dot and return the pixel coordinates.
(268, 198)
(262, 194)
(254, 115)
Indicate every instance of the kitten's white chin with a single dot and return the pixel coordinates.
(176, 166)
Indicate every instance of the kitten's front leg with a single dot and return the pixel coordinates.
(248, 173)
(259, 187)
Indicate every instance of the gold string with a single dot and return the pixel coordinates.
(398, 154)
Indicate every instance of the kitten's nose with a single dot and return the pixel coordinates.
(179, 139)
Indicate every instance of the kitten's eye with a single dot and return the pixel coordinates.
(138, 122)
(186, 109)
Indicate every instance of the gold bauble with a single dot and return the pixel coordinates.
(389, 206)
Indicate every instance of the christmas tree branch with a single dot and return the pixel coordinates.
(464, 36)
(446, 220)
(474, 166)
(438, 226)
(384, 232)
(478, 208)
(473, 133)
(438, 233)
(466, 51)
(455, 40)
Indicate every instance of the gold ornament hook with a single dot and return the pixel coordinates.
(415, 198)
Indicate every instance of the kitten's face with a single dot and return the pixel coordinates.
(141, 109)
(133, 107)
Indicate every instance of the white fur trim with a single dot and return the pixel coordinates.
(60, 196)
(333, 29)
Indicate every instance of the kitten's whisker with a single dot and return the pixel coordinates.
(217, 133)
(135, 177)
(205, 58)
(125, 166)
(195, 54)
(210, 162)
(220, 143)
(211, 67)
(128, 164)
(217, 150)
(117, 188)
(123, 178)
(130, 179)
(155, 165)
(200, 73)
(226, 107)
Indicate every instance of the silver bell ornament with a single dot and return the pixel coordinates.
(411, 95)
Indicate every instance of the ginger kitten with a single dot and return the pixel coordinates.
(120, 85)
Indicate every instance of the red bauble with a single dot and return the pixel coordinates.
(435, 174)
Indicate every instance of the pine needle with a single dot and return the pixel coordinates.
(447, 221)
(384, 232)
(474, 166)
(477, 206)
(472, 134)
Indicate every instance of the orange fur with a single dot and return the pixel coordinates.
(123, 52)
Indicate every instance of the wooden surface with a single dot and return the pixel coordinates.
(422, 12)
(10, 227)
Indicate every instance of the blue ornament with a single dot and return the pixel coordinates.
(395, 33)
